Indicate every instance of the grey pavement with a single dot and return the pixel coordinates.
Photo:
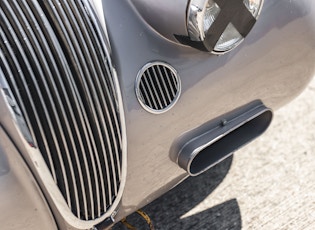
(269, 184)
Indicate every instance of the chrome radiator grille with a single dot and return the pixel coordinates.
(55, 60)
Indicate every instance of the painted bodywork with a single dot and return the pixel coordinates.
(273, 64)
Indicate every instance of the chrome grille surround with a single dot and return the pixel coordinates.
(55, 60)
(157, 87)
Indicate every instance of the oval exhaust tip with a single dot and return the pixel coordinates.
(202, 148)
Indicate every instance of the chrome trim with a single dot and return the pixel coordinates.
(150, 99)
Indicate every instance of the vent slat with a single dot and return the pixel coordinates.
(160, 84)
(149, 89)
(154, 85)
(169, 79)
(144, 94)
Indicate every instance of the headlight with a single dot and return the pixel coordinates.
(219, 26)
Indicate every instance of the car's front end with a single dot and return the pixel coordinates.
(106, 105)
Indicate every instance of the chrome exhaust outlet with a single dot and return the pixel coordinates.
(201, 148)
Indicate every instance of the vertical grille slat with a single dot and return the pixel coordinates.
(88, 192)
(99, 104)
(107, 86)
(41, 60)
(106, 115)
(54, 57)
(108, 200)
(65, 96)
(157, 87)
(24, 60)
(81, 56)
(96, 64)
(61, 109)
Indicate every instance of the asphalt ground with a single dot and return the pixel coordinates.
(269, 184)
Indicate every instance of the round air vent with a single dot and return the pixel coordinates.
(157, 87)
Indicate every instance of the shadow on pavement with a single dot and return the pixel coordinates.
(166, 211)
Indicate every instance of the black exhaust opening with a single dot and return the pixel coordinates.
(207, 145)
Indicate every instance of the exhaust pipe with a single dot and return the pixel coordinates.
(202, 148)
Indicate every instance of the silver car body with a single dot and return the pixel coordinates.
(273, 64)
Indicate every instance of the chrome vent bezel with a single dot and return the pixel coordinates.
(158, 87)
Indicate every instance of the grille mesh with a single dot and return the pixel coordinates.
(157, 87)
(55, 61)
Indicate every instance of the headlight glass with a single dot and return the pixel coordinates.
(229, 39)
(253, 6)
(211, 12)
(221, 25)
